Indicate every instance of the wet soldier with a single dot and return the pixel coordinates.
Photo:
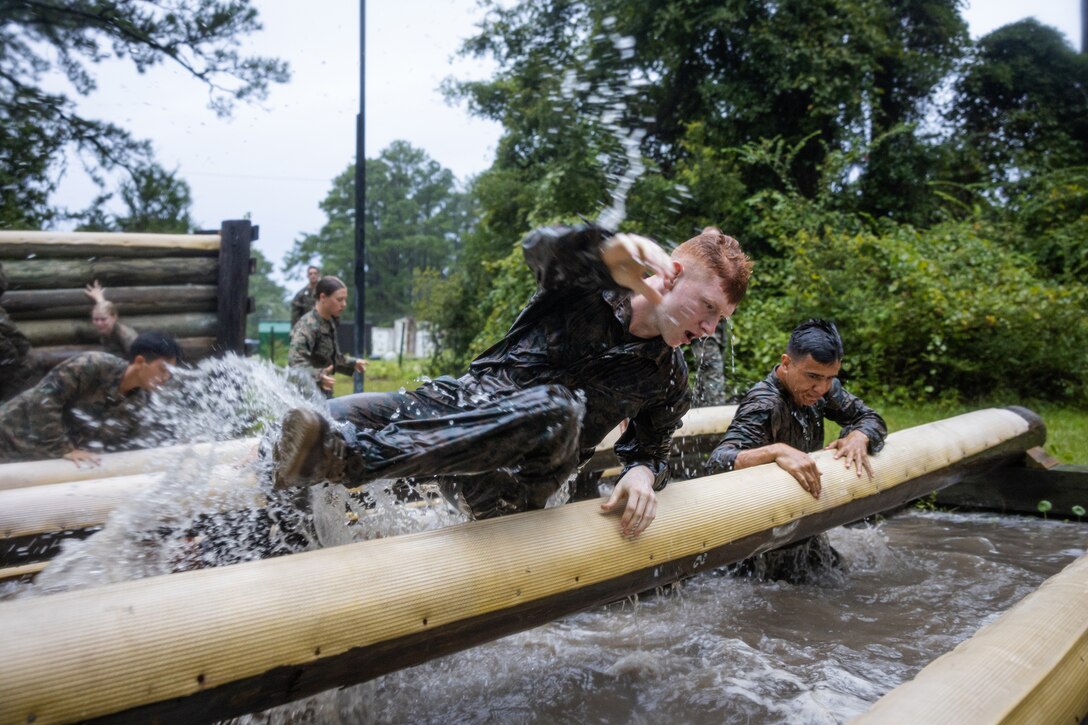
(314, 344)
(781, 419)
(304, 300)
(16, 372)
(115, 337)
(597, 343)
(90, 402)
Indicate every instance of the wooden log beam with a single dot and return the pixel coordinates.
(1027, 666)
(45, 333)
(211, 644)
(124, 463)
(49, 356)
(41, 274)
(233, 283)
(20, 244)
(1021, 489)
(73, 303)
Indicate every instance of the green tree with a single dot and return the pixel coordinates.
(269, 298)
(155, 200)
(415, 218)
(1021, 106)
(39, 38)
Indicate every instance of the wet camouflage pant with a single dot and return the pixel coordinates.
(498, 451)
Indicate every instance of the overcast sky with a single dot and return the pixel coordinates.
(276, 162)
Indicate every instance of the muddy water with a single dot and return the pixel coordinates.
(722, 650)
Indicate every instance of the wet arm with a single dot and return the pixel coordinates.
(853, 414)
(568, 257)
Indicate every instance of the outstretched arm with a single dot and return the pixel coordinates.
(96, 292)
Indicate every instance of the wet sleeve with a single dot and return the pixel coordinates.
(648, 438)
(564, 257)
(301, 351)
(49, 437)
(852, 414)
(750, 428)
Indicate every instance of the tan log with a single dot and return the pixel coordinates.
(14, 244)
(59, 332)
(37, 274)
(210, 644)
(83, 504)
(1030, 665)
(49, 356)
(23, 571)
(73, 303)
(124, 463)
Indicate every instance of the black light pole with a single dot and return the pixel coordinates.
(1084, 26)
(360, 203)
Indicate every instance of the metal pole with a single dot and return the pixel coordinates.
(360, 203)
(1084, 26)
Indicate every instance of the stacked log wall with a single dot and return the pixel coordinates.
(192, 286)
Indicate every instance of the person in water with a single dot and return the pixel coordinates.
(781, 419)
(597, 344)
(90, 403)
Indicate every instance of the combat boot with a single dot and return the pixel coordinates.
(307, 451)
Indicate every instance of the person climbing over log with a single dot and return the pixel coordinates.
(781, 419)
(115, 337)
(304, 299)
(596, 344)
(315, 347)
(89, 403)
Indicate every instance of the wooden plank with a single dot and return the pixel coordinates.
(13, 242)
(73, 303)
(211, 644)
(42, 274)
(233, 284)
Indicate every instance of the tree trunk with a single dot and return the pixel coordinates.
(62, 303)
(42, 274)
(62, 332)
(19, 244)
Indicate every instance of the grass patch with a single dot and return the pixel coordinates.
(383, 376)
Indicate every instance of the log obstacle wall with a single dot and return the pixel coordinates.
(207, 645)
(192, 286)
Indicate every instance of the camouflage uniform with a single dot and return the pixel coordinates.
(15, 369)
(119, 340)
(77, 405)
(302, 303)
(534, 406)
(768, 414)
(709, 387)
(315, 346)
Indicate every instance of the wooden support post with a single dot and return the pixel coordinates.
(234, 251)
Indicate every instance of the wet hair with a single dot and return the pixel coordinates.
(722, 255)
(818, 338)
(327, 286)
(105, 307)
(154, 345)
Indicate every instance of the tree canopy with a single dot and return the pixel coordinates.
(42, 38)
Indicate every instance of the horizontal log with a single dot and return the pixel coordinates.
(73, 303)
(23, 571)
(1020, 490)
(1026, 666)
(124, 463)
(211, 644)
(47, 357)
(19, 244)
(38, 274)
(62, 332)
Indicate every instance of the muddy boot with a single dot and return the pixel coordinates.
(307, 451)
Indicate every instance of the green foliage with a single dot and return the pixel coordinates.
(268, 297)
(39, 127)
(414, 221)
(156, 201)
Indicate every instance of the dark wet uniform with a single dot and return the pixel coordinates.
(77, 405)
(15, 369)
(533, 406)
(302, 303)
(768, 414)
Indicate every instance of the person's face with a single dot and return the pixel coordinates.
(692, 307)
(312, 274)
(807, 379)
(152, 375)
(103, 322)
(332, 305)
